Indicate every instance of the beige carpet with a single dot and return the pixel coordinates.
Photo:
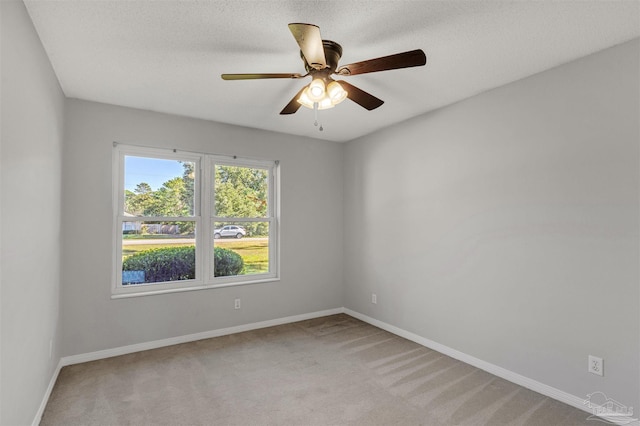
(334, 370)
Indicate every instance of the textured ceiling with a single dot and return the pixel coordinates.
(168, 55)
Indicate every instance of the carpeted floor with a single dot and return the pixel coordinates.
(334, 370)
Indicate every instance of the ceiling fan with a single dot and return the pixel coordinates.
(321, 62)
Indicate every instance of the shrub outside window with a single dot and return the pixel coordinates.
(164, 244)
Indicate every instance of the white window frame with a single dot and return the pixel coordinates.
(204, 218)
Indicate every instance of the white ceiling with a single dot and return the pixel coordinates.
(167, 56)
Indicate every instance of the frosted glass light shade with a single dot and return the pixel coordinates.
(325, 103)
(316, 90)
(304, 99)
(336, 93)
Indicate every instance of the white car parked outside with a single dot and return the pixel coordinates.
(229, 231)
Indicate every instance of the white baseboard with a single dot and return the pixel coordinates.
(123, 350)
(47, 394)
(516, 378)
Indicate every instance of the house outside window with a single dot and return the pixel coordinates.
(189, 221)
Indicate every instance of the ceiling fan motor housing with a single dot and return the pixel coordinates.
(332, 54)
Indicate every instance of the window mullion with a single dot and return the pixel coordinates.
(206, 249)
(159, 218)
(240, 219)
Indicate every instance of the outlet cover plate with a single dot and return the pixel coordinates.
(596, 365)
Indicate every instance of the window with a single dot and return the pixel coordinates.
(187, 221)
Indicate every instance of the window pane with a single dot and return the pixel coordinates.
(241, 248)
(154, 252)
(157, 187)
(240, 191)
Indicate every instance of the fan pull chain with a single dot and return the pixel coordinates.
(315, 115)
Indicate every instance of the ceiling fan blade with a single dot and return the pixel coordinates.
(310, 42)
(293, 105)
(257, 76)
(412, 58)
(359, 96)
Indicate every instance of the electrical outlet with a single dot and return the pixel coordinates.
(374, 298)
(236, 304)
(596, 365)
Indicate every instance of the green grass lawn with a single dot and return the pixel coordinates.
(254, 253)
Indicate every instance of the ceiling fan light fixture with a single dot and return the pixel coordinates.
(308, 100)
(336, 93)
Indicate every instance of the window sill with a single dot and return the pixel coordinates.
(129, 294)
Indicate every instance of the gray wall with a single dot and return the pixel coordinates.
(30, 175)
(311, 228)
(506, 226)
